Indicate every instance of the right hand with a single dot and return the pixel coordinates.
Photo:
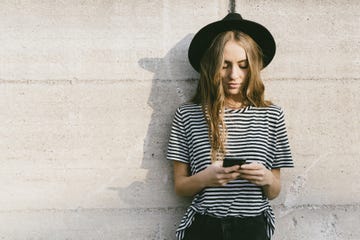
(216, 175)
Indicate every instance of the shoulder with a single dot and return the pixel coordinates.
(272, 109)
(275, 109)
(189, 113)
(188, 108)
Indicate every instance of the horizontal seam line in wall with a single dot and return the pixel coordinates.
(134, 209)
(85, 81)
(180, 208)
(113, 81)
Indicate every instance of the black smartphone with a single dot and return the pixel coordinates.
(228, 162)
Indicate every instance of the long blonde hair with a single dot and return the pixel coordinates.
(210, 93)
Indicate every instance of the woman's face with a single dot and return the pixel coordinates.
(235, 69)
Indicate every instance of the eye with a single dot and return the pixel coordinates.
(225, 66)
(244, 65)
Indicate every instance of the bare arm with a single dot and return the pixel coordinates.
(273, 190)
(269, 180)
(213, 175)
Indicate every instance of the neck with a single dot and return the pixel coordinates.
(232, 103)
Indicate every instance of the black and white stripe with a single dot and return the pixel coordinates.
(257, 134)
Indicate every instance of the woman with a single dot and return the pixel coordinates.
(229, 118)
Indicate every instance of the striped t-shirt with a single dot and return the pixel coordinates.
(257, 134)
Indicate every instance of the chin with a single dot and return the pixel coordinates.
(233, 93)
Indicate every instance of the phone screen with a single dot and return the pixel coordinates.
(228, 162)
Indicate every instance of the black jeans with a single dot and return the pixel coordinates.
(210, 228)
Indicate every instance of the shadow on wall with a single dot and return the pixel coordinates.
(171, 86)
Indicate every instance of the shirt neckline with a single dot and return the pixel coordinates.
(238, 110)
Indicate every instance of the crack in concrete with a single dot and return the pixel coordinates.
(298, 186)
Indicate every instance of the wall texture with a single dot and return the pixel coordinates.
(88, 90)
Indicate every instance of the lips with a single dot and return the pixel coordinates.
(233, 85)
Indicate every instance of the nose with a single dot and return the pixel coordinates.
(235, 72)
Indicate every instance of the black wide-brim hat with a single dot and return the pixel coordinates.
(233, 21)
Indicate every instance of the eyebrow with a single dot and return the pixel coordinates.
(244, 60)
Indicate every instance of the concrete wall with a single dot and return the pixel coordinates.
(88, 90)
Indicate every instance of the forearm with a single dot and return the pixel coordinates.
(272, 190)
(188, 186)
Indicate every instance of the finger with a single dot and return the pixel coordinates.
(255, 180)
(230, 176)
(252, 178)
(251, 172)
(235, 175)
(223, 183)
(252, 166)
(231, 169)
(218, 163)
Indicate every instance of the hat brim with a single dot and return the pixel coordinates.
(205, 36)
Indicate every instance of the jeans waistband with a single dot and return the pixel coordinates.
(236, 220)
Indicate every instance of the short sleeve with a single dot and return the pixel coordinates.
(178, 145)
(283, 156)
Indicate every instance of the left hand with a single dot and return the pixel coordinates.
(256, 173)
